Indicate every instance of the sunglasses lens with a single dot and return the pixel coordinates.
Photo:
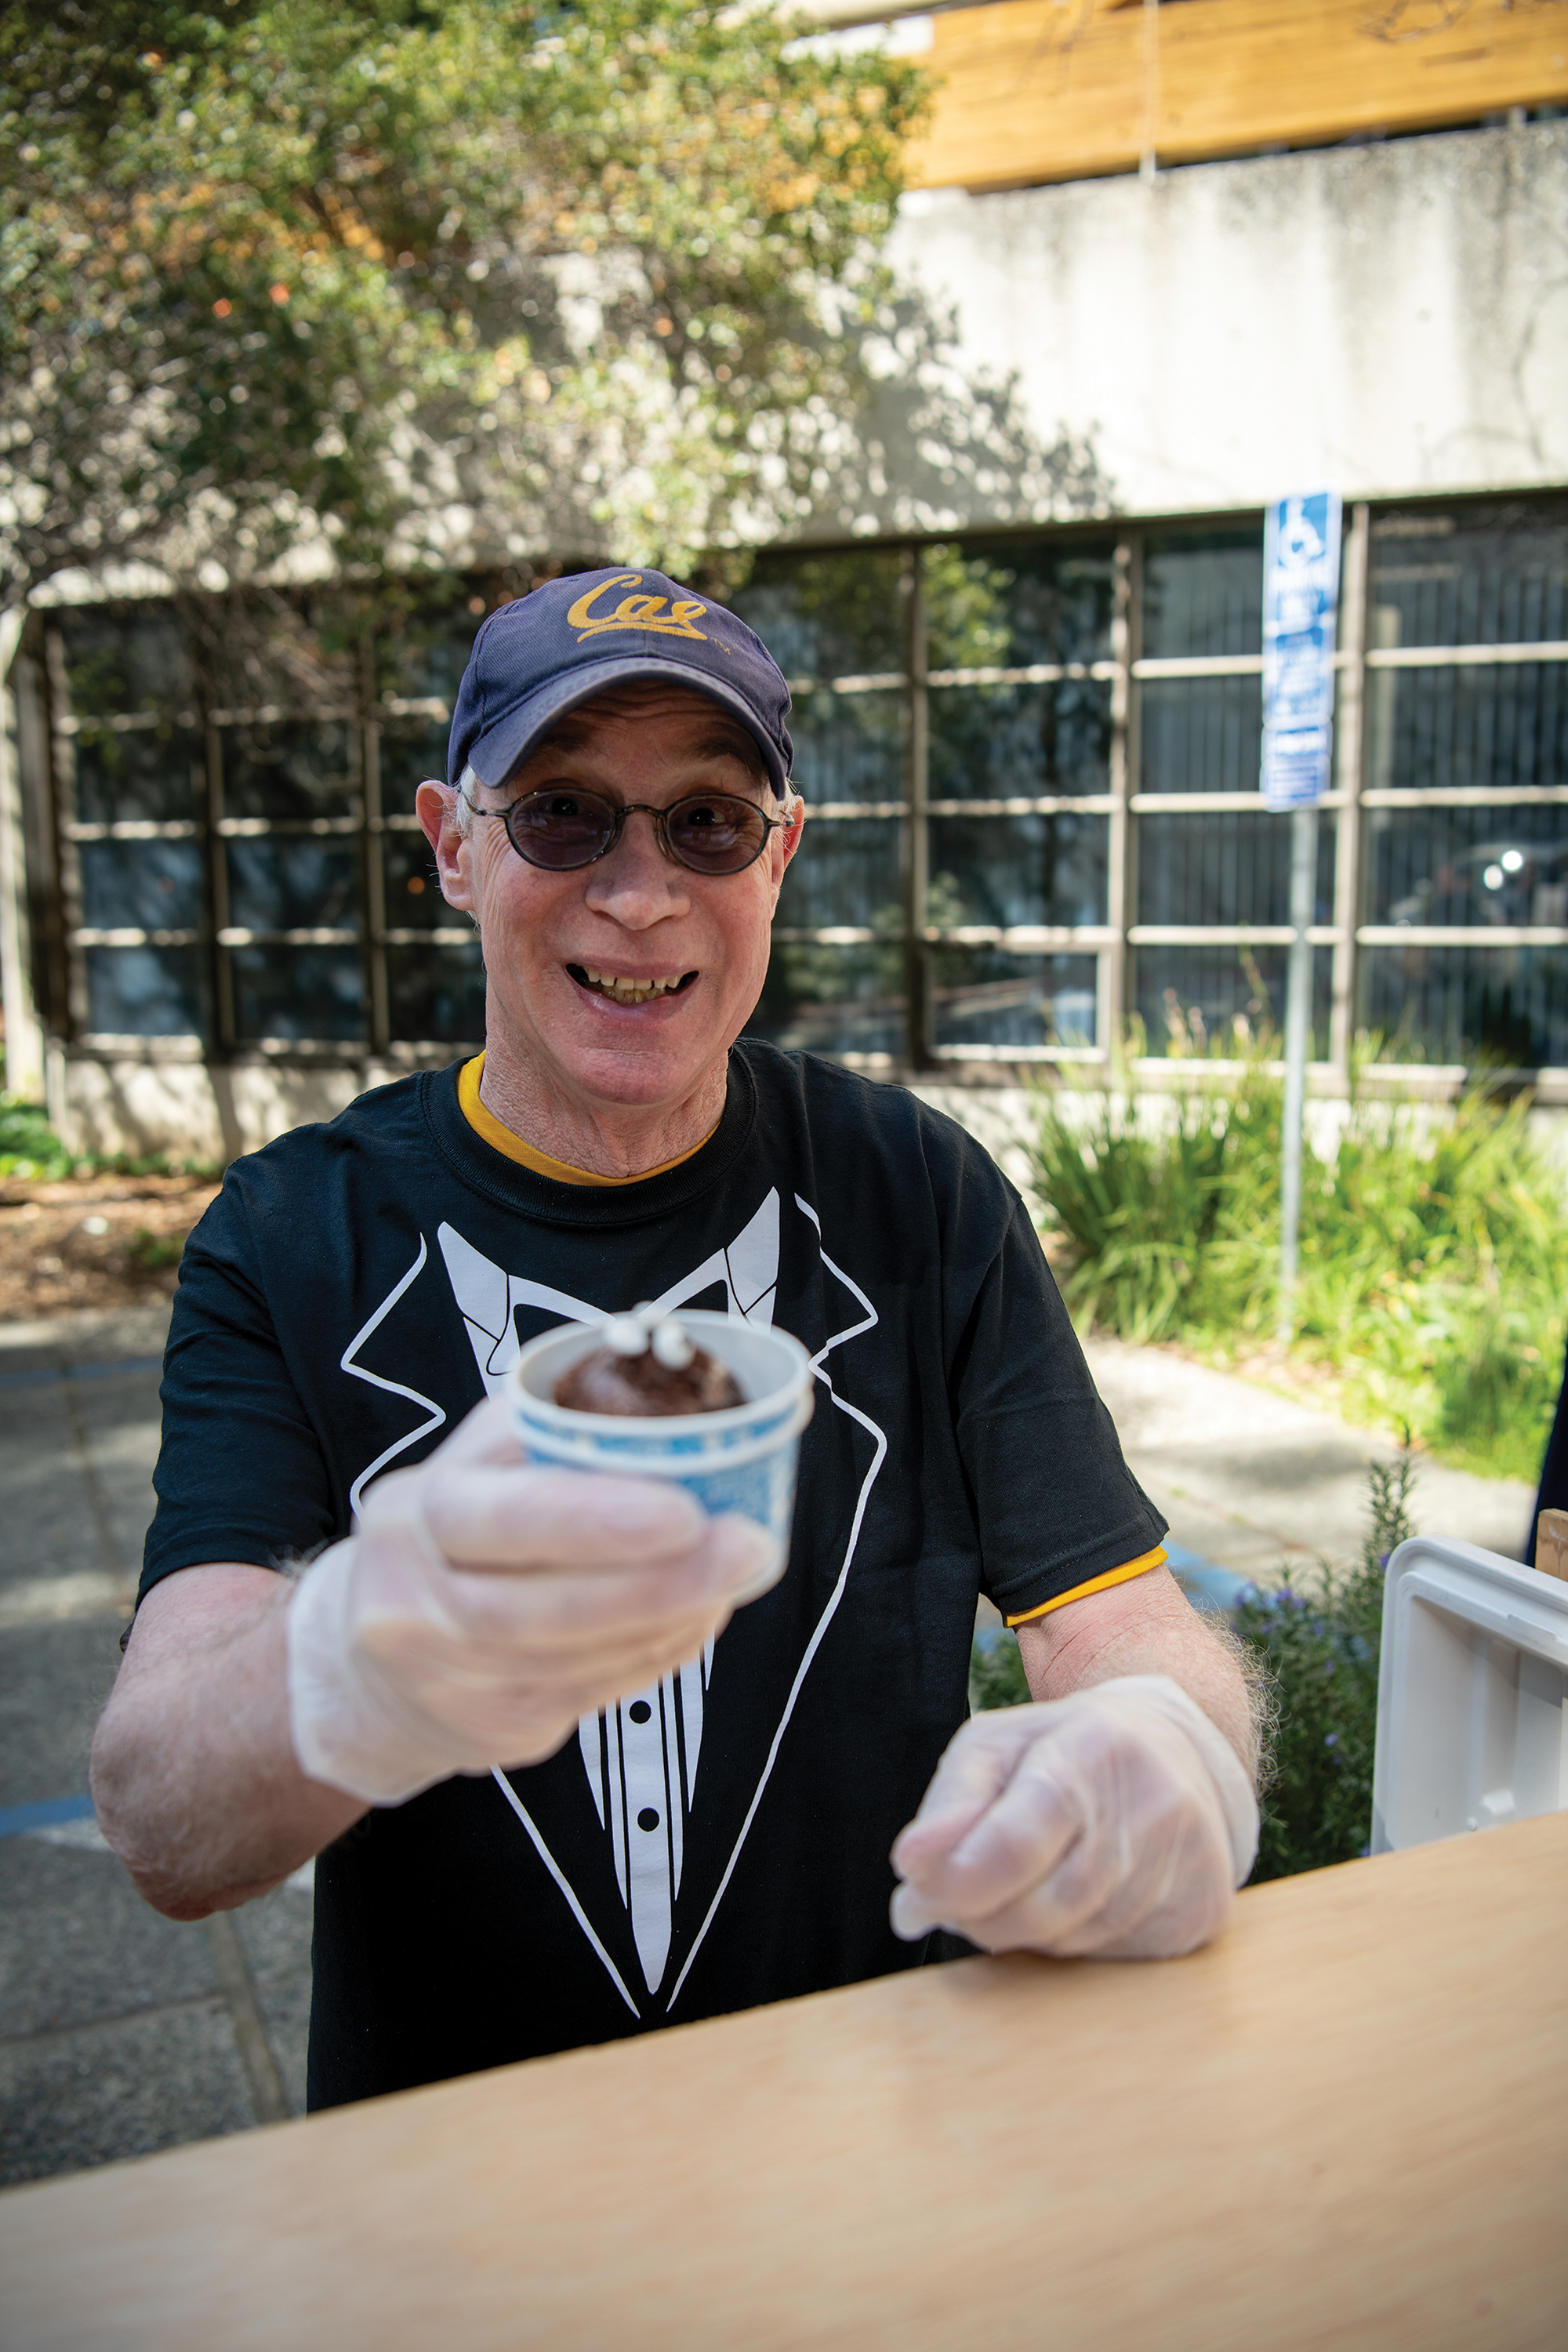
(563, 826)
(559, 828)
(714, 834)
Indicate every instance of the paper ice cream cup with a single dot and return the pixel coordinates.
(740, 1459)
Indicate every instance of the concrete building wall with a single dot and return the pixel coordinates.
(1384, 319)
(206, 1113)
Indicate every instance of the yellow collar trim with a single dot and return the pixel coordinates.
(489, 1128)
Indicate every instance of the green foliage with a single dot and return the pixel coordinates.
(996, 1676)
(30, 1147)
(1434, 1251)
(154, 1253)
(1440, 1270)
(1322, 1650)
(273, 271)
(1154, 1214)
(31, 1152)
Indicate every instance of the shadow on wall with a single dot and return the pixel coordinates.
(204, 1114)
(921, 442)
(936, 447)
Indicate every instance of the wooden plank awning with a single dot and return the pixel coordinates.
(1033, 91)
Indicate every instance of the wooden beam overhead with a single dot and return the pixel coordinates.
(1032, 90)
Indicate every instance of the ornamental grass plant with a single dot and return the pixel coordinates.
(1433, 1247)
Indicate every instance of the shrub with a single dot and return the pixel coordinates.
(154, 1253)
(1434, 1258)
(31, 1152)
(1321, 1651)
(29, 1148)
(997, 1671)
(1161, 1221)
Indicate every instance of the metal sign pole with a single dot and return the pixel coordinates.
(1298, 1034)
(1300, 603)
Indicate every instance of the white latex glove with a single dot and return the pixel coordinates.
(1117, 1821)
(485, 1605)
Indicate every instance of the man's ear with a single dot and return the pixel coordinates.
(436, 808)
(782, 845)
(795, 826)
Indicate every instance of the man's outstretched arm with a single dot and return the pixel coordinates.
(194, 1776)
(1118, 1813)
(482, 1607)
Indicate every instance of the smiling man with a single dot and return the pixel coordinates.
(561, 1786)
(638, 963)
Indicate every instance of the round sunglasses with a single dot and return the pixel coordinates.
(563, 826)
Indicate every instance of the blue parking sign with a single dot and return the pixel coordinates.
(1300, 605)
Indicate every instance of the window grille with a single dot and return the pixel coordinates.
(253, 879)
(1031, 762)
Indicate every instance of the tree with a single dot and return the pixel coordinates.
(394, 283)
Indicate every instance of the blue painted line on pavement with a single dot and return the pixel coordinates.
(83, 1372)
(1206, 1586)
(15, 1821)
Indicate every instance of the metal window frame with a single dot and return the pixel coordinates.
(1111, 942)
(364, 825)
(1121, 935)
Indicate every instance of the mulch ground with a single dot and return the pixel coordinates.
(95, 1241)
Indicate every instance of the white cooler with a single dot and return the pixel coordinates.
(1472, 1697)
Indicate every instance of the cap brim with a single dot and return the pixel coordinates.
(497, 753)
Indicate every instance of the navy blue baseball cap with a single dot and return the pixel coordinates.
(543, 655)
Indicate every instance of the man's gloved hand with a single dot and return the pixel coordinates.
(1117, 1821)
(484, 1606)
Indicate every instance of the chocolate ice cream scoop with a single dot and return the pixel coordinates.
(646, 1370)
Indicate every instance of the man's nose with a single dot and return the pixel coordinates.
(635, 882)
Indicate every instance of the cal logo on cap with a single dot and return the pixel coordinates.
(634, 612)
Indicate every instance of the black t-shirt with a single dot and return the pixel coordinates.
(723, 1839)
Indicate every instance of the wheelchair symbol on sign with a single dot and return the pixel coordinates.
(1299, 543)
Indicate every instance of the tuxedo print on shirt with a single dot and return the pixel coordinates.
(642, 1757)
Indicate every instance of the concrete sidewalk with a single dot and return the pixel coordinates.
(121, 2033)
(1260, 1484)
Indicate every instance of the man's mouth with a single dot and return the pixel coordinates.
(623, 991)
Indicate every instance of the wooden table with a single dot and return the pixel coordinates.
(1345, 2125)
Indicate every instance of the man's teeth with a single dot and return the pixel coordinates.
(630, 992)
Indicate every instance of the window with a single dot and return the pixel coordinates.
(838, 627)
(1463, 934)
(1031, 762)
(953, 736)
(1210, 926)
(248, 873)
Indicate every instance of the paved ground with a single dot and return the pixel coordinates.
(1257, 1482)
(120, 2033)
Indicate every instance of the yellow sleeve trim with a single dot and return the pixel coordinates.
(489, 1128)
(1124, 1575)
